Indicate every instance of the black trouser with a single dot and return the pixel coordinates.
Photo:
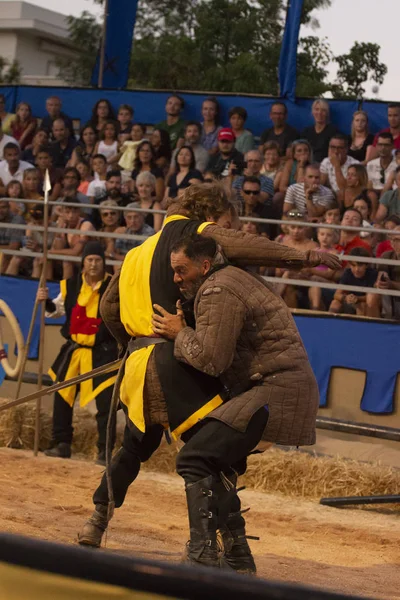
(63, 413)
(212, 447)
(125, 465)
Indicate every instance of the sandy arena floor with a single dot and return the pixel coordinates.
(353, 551)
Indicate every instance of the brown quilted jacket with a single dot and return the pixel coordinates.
(246, 335)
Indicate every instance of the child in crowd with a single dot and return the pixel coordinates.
(128, 152)
(30, 184)
(357, 274)
(14, 190)
(326, 241)
(108, 144)
(125, 117)
(86, 176)
(98, 185)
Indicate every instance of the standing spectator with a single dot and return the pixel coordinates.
(309, 197)
(98, 185)
(393, 129)
(334, 167)
(44, 163)
(53, 107)
(108, 144)
(210, 124)
(294, 169)
(358, 274)
(244, 138)
(173, 124)
(162, 148)
(135, 225)
(102, 113)
(280, 132)
(145, 185)
(10, 239)
(360, 137)
(40, 139)
(228, 160)
(63, 145)
(11, 167)
(320, 134)
(192, 139)
(389, 278)
(350, 239)
(356, 181)
(389, 202)
(272, 162)
(145, 161)
(253, 169)
(184, 173)
(85, 147)
(6, 118)
(379, 169)
(24, 125)
(4, 140)
(125, 118)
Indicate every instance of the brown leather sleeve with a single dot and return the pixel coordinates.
(109, 311)
(249, 249)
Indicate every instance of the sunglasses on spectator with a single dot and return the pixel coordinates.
(107, 213)
(251, 192)
(296, 214)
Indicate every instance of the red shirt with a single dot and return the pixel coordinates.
(396, 140)
(356, 242)
(385, 246)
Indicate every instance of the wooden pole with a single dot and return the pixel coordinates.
(42, 284)
(103, 46)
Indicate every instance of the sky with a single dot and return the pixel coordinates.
(344, 23)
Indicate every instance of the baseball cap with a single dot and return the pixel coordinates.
(226, 134)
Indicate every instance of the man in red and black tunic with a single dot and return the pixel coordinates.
(89, 345)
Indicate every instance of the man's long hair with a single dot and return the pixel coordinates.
(202, 201)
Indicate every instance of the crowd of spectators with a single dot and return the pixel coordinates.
(317, 175)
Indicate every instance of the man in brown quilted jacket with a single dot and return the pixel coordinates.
(246, 336)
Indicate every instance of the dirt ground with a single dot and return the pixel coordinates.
(353, 551)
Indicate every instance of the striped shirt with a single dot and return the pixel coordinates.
(296, 195)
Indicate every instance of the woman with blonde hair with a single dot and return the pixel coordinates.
(360, 137)
(321, 132)
(145, 186)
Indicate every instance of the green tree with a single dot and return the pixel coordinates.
(10, 72)
(356, 68)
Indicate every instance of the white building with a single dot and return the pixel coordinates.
(35, 37)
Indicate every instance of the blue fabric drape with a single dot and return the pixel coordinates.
(288, 58)
(121, 19)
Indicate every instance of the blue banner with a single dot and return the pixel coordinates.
(120, 22)
(288, 59)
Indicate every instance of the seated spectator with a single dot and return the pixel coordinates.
(135, 225)
(71, 244)
(326, 243)
(386, 245)
(63, 145)
(251, 226)
(192, 139)
(393, 129)
(85, 149)
(294, 168)
(280, 132)
(389, 278)
(272, 162)
(379, 169)
(334, 168)
(145, 185)
(108, 145)
(244, 141)
(98, 185)
(85, 172)
(138, 132)
(173, 124)
(125, 118)
(364, 206)
(30, 184)
(389, 202)
(112, 191)
(40, 139)
(53, 107)
(127, 156)
(253, 162)
(355, 182)
(320, 134)
(360, 137)
(184, 173)
(310, 197)
(33, 242)
(252, 202)
(357, 274)
(350, 239)
(10, 239)
(145, 161)
(11, 167)
(162, 149)
(102, 113)
(44, 162)
(5, 140)
(332, 214)
(14, 192)
(228, 160)
(110, 220)
(210, 125)
(391, 179)
(24, 125)
(5, 117)
(70, 184)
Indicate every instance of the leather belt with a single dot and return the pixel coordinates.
(143, 342)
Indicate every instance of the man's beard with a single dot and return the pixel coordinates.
(192, 288)
(114, 193)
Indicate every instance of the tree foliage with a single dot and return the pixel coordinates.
(359, 66)
(10, 72)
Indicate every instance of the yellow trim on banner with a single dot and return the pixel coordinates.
(197, 416)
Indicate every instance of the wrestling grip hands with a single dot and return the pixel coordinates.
(332, 261)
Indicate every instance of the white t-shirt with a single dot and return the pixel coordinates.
(5, 174)
(6, 139)
(96, 188)
(376, 173)
(328, 168)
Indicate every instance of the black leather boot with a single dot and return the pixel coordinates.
(94, 528)
(61, 450)
(237, 550)
(203, 498)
